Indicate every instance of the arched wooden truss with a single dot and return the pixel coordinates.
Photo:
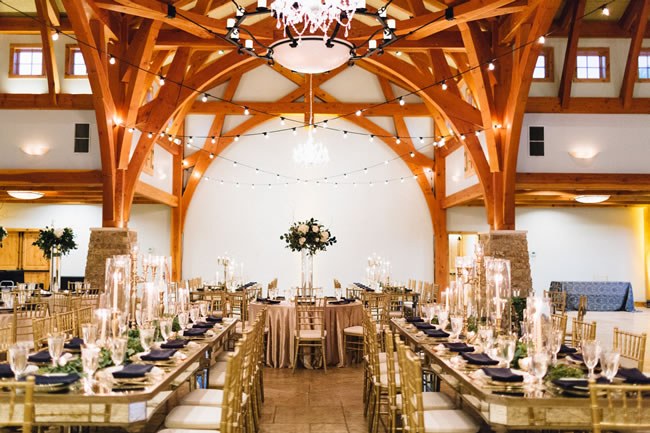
(433, 49)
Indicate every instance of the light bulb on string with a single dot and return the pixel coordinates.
(211, 155)
(345, 134)
(397, 140)
(150, 135)
(412, 154)
(266, 135)
(221, 182)
(358, 113)
(213, 140)
(444, 85)
(294, 131)
(462, 137)
(234, 163)
(491, 66)
(324, 123)
(365, 171)
(204, 98)
(111, 60)
(191, 139)
(161, 80)
(371, 138)
(386, 162)
(542, 39)
(282, 122)
(236, 137)
(401, 101)
(131, 129)
(605, 10)
(246, 111)
(421, 140)
(55, 35)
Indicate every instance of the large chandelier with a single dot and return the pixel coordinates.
(311, 42)
(311, 152)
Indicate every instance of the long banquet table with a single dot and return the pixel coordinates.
(601, 295)
(501, 407)
(281, 324)
(130, 410)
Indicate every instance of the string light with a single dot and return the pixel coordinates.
(444, 85)
(324, 124)
(491, 66)
(211, 155)
(358, 113)
(345, 134)
(111, 60)
(213, 140)
(55, 35)
(421, 140)
(397, 140)
(605, 10)
(542, 39)
(246, 111)
(131, 129)
(282, 122)
(266, 135)
(401, 101)
(412, 154)
(191, 139)
(372, 138)
(295, 131)
(161, 80)
(236, 137)
(462, 137)
(150, 135)
(204, 98)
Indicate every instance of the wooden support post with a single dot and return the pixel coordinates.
(176, 237)
(440, 235)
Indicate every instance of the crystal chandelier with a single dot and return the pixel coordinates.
(315, 15)
(311, 152)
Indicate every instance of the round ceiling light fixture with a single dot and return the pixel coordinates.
(26, 195)
(311, 55)
(591, 199)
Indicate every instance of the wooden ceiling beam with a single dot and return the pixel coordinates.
(586, 105)
(508, 30)
(569, 69)
(583, 182)
(28, 26)
(337, 108)
(155, 194)
(49, 58)
(43, 101)
(463, 197)
(631, 66)
(50, 177)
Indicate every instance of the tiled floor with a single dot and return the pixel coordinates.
(313, 401)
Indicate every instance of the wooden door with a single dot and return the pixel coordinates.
(10, 251)
(33, 259)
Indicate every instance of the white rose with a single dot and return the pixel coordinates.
(315, 228)
(303, 228)
(58, 233)
(302, 240)
(325, 235)
(317, 239)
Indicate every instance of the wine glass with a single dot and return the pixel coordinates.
(18, 359)
(590, 354)
(89, 362)
(456, 327)
(443, 319)
(557, 338)
(194, 314)
(118, 350)
(89, 333)
(203, 310)
(506, 348)
(165, 328)
(183, 319)
(539, 365)
(609, 361)
(146, 337)
(485, 333)
(55, 346)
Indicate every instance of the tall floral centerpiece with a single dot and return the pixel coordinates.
(308, 237)
(3, 235)
(55, 243)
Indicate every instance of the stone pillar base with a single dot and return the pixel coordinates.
(511, 245)
(104, 243)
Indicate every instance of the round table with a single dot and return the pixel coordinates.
(281, 324)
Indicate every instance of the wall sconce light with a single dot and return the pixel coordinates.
(25, 195)
(591, 199)
(35, 149)
(583, 157)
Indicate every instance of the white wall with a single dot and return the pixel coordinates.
(391, 220)
(574, 243)
(621, 141)
(152, 222)
(53, 129)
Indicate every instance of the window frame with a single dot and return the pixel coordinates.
(549, 66)
(645, 51)
(69, 62)
(591, 51)
(13, 65)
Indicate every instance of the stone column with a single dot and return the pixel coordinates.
(511, 245)
(104, 243)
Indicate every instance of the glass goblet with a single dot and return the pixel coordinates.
(165, 328)
(609, 362)
(506, 346)
(55, 346)
(539, 366)
(194, 314)
(557, 338)
(456, 327)
(118, 350)
(18, 359)
(183, 319)
(590, 354)
(89, 333)
(89, 362)
(203, 310)
(146, 337)
(443, 319)
(485, 333)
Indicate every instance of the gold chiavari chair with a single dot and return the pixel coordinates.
(85, 300)
(419, 420)
(5, 341)
(305, 292)
(582, 308)
(239, 306)
(619, 407)
(41, 328)
(81, 317)
(395, 304)
(67, 323)
(23, 315)
(630, 346)
(392, 381)
(20, 406)
(558, 300)
(353, 292)
(217, 303)
(559, 323)
(61, 302)
(310, 328)
(377, 305)
(582, 331)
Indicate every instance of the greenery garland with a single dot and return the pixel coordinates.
(62, 239)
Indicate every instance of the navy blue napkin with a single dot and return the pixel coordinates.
(158, 355)
(424, 325)
(214, 319)
(478, 358)
(132, 370)
(414, 319)
(570, 382)
(341, 302)
(5, 371)
(174, 344)
(459, 347)
(41, 357)
(633, 375)
(74, 343)
(206, 325)
(281, 298)
(567, 350)
(436, 333)
(502, 374)
(66, 379)
(195, 332)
